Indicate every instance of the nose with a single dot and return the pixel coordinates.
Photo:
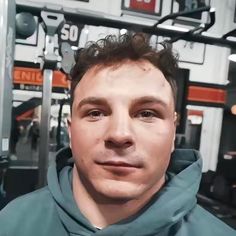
(119, 132)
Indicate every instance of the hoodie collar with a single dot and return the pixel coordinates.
(166, 208)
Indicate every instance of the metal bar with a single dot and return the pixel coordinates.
(191, 37)
(93, 18)
(182, 13)
(212, 20)
(230, 33)
(7, 29)
(44, 126)
(197, 30)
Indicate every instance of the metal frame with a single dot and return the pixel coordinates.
(7, 29)
(44, 126)
(189, 19)
(52, 24)
(96, 19)
(159, 29)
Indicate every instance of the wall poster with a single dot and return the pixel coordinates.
(144, 7)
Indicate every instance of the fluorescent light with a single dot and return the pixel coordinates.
(232, 57)
(173, 27)
(123, 31)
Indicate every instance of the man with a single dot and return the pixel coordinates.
(126, 178)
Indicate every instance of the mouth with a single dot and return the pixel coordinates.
(120, 168)
(117, 163)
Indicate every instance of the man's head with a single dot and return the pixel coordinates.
(122, 125)
(115, 51)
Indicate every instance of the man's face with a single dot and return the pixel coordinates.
(122, 130)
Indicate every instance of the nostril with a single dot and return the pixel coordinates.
(119, 133)
(127, 144)
(117, 144)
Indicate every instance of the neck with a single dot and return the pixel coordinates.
(104, 212)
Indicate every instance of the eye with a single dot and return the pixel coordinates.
(95, 114)
(146, 115)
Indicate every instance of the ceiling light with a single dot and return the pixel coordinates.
(232, 57)
(233, 109)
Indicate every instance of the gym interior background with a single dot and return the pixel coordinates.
(38, 42)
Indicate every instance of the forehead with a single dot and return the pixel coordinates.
(130, 79)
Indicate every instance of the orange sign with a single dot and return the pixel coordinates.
(207, 95)
(32, 76)
(144, 5)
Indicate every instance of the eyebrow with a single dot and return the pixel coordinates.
(137, 101)
(92, 100)
(149, 99)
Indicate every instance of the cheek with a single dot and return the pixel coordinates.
(157, 162)
(79, 138)
(81, 134)
(158, 147)
(83, 141)
(158, 137)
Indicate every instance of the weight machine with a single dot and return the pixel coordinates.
(60, 57)
(7, 41)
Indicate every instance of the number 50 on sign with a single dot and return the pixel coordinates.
(70, 33)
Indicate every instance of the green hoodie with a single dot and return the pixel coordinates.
(171, 212)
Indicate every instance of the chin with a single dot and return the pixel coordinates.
(117, 191)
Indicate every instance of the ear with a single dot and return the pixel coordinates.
(69, 128)
(175, 124)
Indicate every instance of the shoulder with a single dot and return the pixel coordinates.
(27, 201)
(201, 222)
(31, 209)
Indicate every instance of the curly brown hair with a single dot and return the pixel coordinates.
(114, 50)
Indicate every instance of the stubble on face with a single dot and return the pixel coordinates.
(149, 140)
